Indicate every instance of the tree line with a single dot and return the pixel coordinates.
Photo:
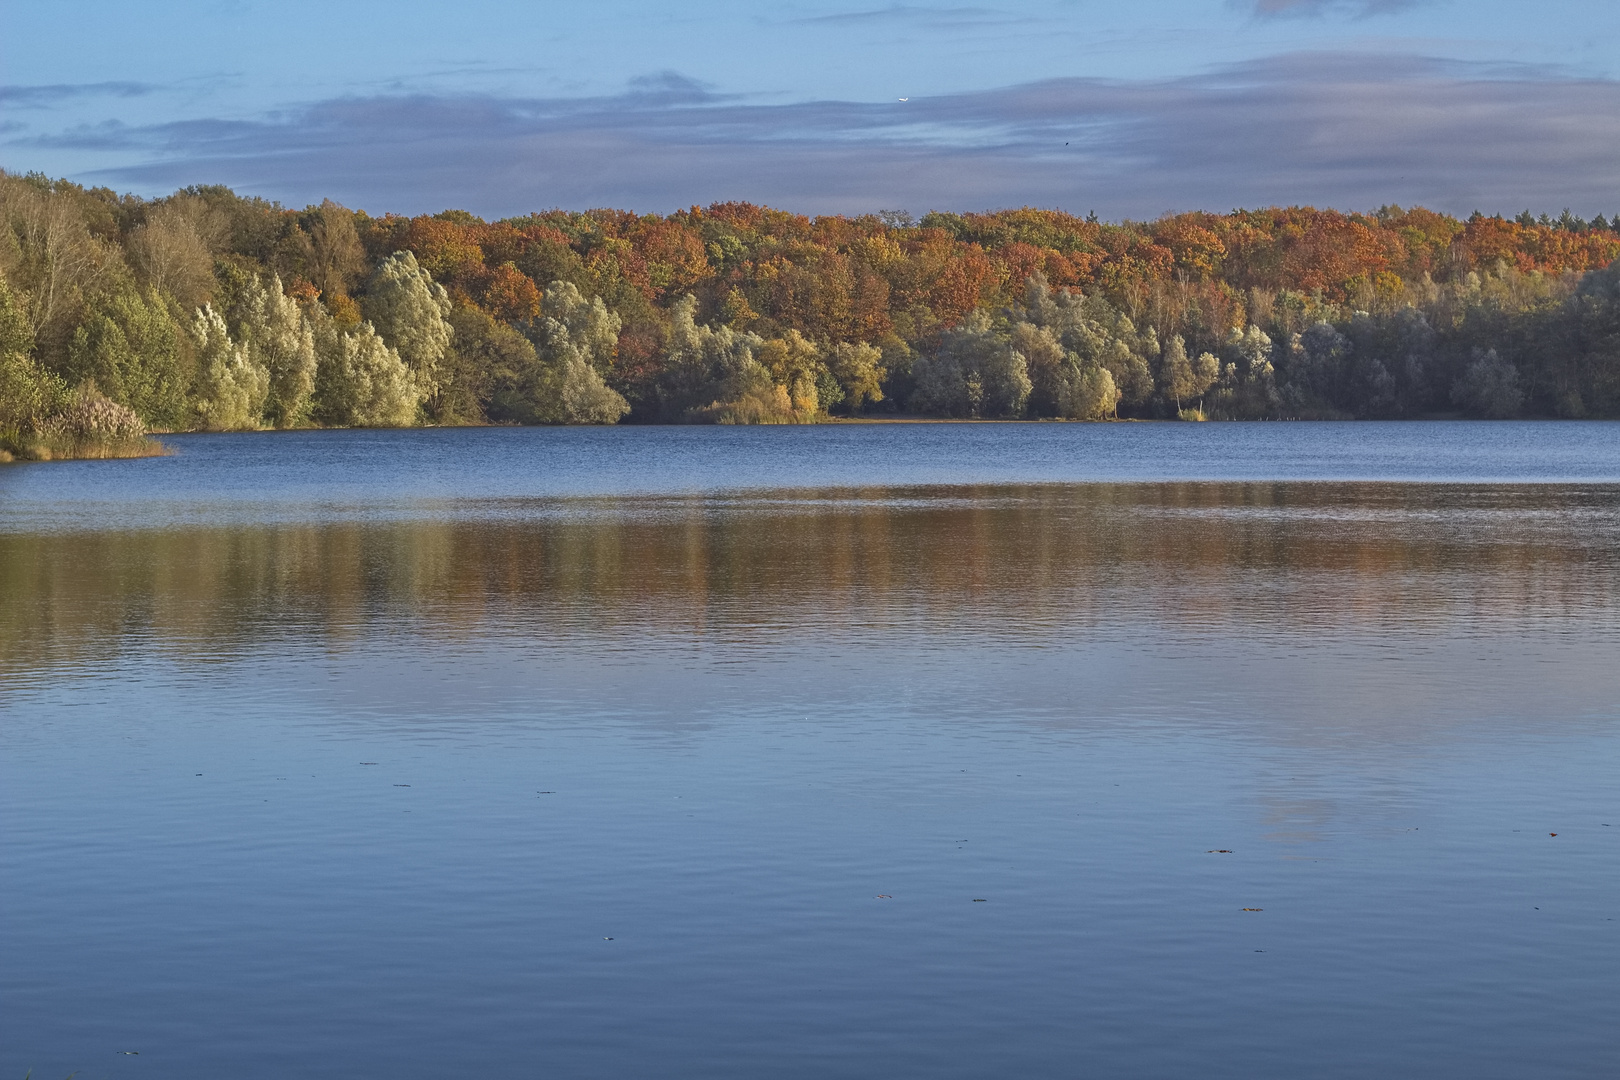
(206, 310)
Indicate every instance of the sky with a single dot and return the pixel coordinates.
(1128, 108)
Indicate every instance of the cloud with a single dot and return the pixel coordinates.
(1334, 129)
(670, 88)
(40, 97)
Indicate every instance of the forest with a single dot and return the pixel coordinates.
(209, 311)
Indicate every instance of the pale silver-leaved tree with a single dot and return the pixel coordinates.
(592, 329)
(976, 372)
(1489, 387)
(232, 387)
(1086, 391)
(1252, 349)
(360, 381)
(276, 334)
(408, 309)
(708, 366)
(575, 340)
(858, 367)
(1094, 333)
(1181, 378)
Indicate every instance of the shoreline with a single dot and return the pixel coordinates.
(153, 447)
(147, 448)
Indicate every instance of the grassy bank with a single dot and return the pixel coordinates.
(38, 449)
(85, 426)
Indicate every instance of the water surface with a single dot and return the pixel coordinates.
(948, 750)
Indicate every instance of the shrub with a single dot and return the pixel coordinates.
(91, 426)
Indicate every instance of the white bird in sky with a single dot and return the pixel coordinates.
(905, 99)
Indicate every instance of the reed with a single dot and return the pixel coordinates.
(90, 427)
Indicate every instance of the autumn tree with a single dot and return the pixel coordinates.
(743, 313)
(795, 365)
(171, 253)
(50, 255)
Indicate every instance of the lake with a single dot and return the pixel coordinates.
(946, 750)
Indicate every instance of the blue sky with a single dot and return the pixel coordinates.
(1130, 109)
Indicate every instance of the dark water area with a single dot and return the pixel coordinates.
(944, 750)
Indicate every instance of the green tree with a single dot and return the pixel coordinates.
(28, 392)
(359, 380)
(569, 391)
(1206, 369)
(1593, 318)
(1096, 334)
(1046, 362)
(590, 329)
(16, 331)
(132, 349)
(487, 373)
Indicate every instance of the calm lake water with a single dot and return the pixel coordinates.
(855, 751)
